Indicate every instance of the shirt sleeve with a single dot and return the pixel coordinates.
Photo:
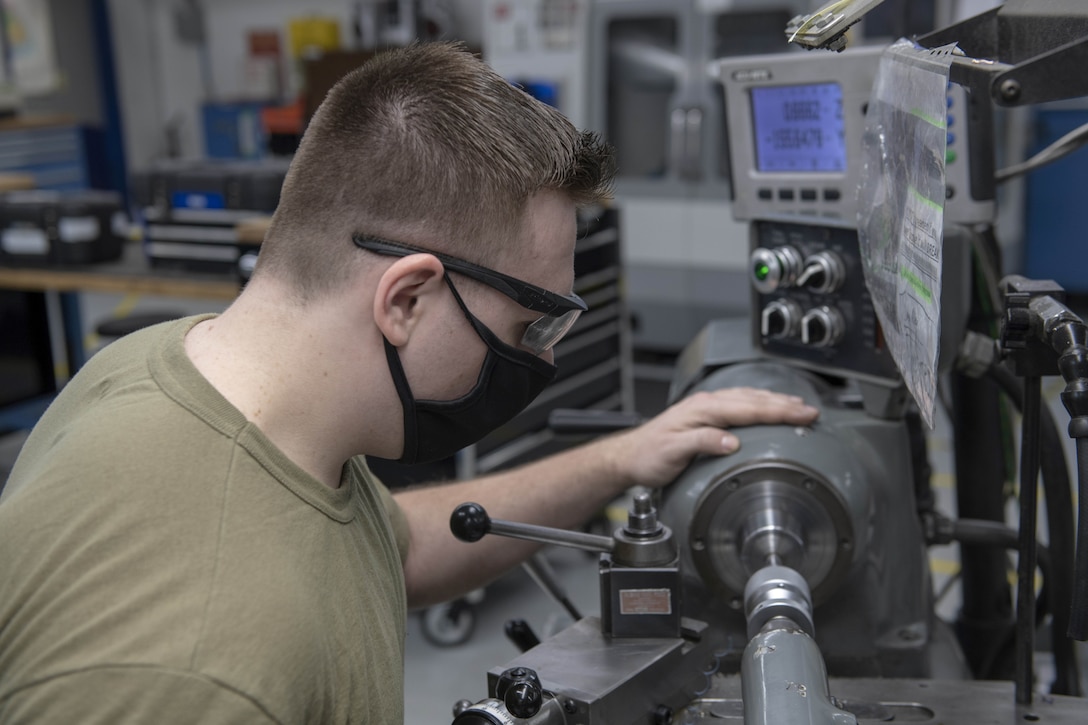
(131, 694)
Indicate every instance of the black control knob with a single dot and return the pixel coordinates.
(780, 319)
(824, 272)
(470, 522)
(520, 690)
(822, 327)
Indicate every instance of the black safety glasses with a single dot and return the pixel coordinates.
(560, 311)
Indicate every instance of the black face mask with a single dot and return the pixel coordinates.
(509, 380)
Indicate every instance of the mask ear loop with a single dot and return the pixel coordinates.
(407, 401)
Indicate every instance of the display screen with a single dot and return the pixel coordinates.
(799, 128)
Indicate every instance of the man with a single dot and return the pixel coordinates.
(191, 533)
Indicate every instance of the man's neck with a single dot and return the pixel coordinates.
(275, 366)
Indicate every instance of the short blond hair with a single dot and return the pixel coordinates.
(429, 144)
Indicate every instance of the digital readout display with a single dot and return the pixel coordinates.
(799, 128)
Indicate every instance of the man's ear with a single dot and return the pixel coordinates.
(405, 290)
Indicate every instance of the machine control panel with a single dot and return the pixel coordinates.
(796, 133)
(811, 300)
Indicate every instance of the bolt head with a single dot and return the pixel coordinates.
(1010, 89)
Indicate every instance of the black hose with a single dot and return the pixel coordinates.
(1069, 338)
(1061, 530)
(986, 614)
(1025, 566)
(1078, 626)
(980, 531)
(995, 533)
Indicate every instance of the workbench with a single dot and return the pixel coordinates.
(132, 274)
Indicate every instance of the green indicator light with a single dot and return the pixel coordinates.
(762, 271)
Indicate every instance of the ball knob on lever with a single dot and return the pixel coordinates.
(470, 522)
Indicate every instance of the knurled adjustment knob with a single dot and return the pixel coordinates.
(521, 692)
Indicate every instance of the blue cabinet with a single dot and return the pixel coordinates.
(52, 152)
(1055, 246)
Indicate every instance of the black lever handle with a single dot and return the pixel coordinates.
(568, 421)
(521, 634)
(469, 522)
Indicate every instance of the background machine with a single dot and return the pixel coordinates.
(789, 583)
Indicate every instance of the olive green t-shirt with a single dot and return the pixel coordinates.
(161, 561)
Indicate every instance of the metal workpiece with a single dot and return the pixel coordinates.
(784, 679)
(771, 535)
(777, 592)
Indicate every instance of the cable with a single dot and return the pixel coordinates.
(978, 531)
(1064, 146)
(1078, 624)
(992, 533)
(1025, 566)
(1060, 527)
(987, 256)
(1069, 338)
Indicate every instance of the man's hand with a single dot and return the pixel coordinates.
(656, 452)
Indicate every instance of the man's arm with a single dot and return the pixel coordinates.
(565, 490)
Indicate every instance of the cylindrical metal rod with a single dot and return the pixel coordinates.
(547, 535)
(1025, 595)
